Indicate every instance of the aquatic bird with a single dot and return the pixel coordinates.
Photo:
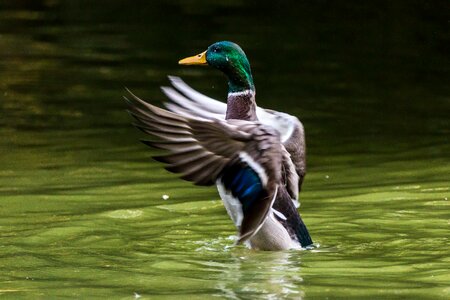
(255, 156)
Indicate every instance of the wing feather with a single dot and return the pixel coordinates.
(181, 156)
(198, 149)
(186, 105)
(172, 146)
(206, 102)
(154, 130)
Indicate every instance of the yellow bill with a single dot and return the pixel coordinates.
(199, 59)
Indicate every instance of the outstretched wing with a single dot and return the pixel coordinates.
(186, 101)
(204, 150)
(198, 149)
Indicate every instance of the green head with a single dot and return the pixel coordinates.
(229, 58)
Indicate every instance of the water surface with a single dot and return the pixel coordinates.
(81, 207)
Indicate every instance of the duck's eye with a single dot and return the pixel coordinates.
(216, 50)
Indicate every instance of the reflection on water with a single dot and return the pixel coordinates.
(81, 206)
(262, 276)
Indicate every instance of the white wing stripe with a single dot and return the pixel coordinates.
(279, 214)
(232, 205)
(255, 166)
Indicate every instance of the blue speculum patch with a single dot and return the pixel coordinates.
(243, 183)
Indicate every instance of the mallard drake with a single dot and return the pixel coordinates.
(255, 156)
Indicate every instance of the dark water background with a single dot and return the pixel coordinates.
(81, 208)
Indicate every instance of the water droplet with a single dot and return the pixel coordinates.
(165, 197)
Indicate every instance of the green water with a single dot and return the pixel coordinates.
(81, 208)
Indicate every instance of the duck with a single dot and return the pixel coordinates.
(256, 157)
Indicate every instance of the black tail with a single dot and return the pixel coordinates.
(302, 233)
(293, 223)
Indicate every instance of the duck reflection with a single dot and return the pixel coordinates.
(262, 275)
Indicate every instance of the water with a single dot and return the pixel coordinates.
(82, 212)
